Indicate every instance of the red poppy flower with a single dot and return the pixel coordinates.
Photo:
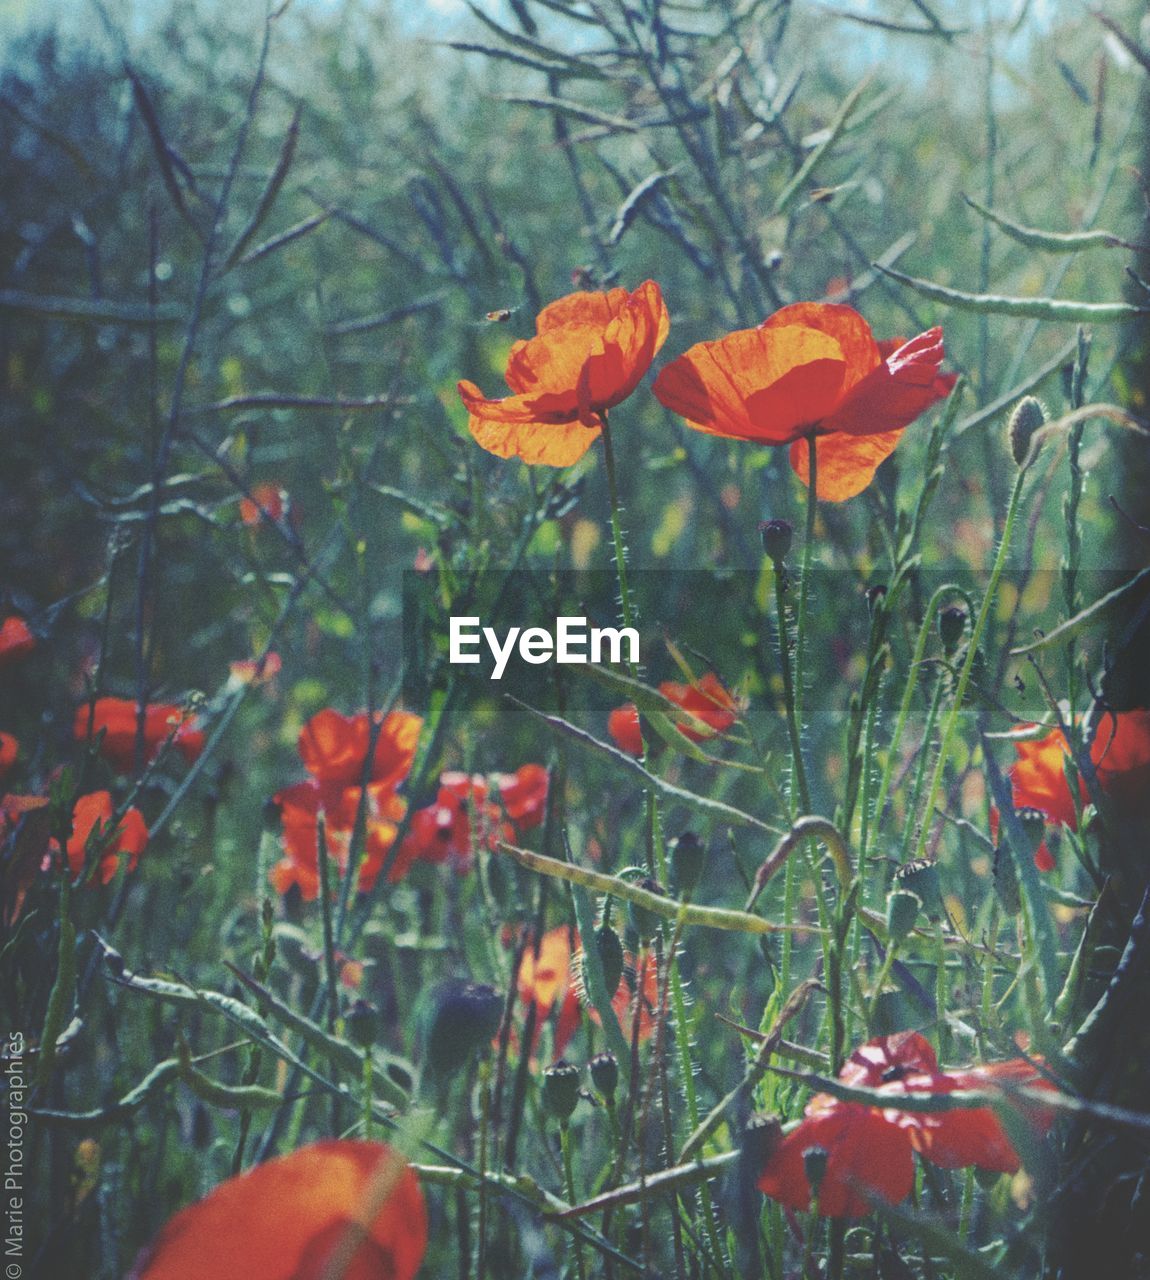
(256, 671)
(9, 750)
(94, 813)
(810, 368)
(868, 1158)
(268, 502)
(300, 806)
(705, 699)
(869, 1149)
(333, 748)
(117, 718)
(16, 640)
(462, 819)
(623, 726)
(345, 1208)
(523, 795)
(589, 353)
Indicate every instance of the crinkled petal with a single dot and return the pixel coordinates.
(896, 391)
(510, 429)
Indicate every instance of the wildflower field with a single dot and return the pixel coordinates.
(574, 613)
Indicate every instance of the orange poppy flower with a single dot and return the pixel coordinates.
(1120, 753)
(333, 747)
(590, 351)
(255, 671)
(345, 1208)
(811, 368)
(545, 980)
(705, 699)
(268, 502)
(16, 640)
(94, 813)
(300, 806)
(116, 717)
(9, 750)
(869, 1149)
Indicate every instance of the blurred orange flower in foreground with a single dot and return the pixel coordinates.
(117, 719)
(810, 368)
(94, 812)
(338, 1208)
(268, 502)
(16, 640)
(590, 351)
(869, 1150)
(706, 699)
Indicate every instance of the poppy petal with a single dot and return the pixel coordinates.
(897, 390)
(513, 428)
(846, 463)
(844, 324)
(292, 1219)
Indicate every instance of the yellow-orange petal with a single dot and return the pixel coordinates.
(770, 385)
(516, 434)
(286, 1220)
(846, 463)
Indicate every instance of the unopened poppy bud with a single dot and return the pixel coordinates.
(1033, 824)
(921, 878)
(467, 1016)
(1027, 418)
(951, 626)
(688, 856)
(646, 923)
(1006, 888)
(561, 1090)
(815, 1167)
(604, 1070)
(777, 536)
(760, 1140)
(902, 908)
(610, 947)
(362, 1023)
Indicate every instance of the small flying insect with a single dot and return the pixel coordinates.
(501, 315)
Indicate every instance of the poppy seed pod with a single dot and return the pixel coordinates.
(561, 1090)
(760, 1140)
(1006, 887)
(467, 1016)
(604, 1069)
(688, 857)
(815, 1167)
(362, 1024)
(777, 536)
(1027, 418)
(951, 626)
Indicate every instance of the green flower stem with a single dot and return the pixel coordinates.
(484, 1125)
(923, 761)
(617, 531)
(569, 1180)
(328, 933)
(964, 675)
(804, 581)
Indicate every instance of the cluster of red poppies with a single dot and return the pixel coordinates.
(867, 1152)
(468, 812)
(710, 707)
(811, 370)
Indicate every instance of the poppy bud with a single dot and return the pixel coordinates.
(1006, 880)
(760, 1140)
(921, 878)
(362, 1023)
(646, 923)
(875, 595)
(610, 957)
(688, 856)
(902, 908)
(467, 1016)
(561, 1090)
(777, 536)
(815, 1167)
(951, 626)
(605, 1074)
(1028, 417)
